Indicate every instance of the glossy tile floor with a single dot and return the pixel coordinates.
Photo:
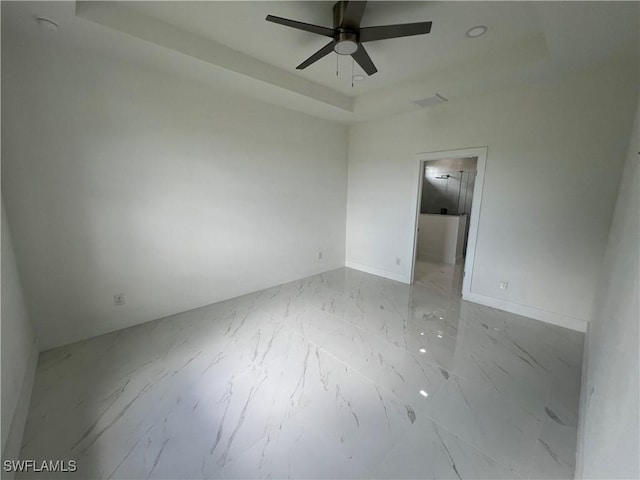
(340, 375)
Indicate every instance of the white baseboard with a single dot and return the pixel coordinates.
(553, 318)
(378, 271)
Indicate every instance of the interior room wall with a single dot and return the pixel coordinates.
(555, 152)
(124, 180)
(19, 352)
(608, 442)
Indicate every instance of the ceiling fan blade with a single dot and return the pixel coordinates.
(352, 14)
(362, 57)
(327, 49)
(369, 34)
(307, 27)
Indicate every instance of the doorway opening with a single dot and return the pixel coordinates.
(447, 210)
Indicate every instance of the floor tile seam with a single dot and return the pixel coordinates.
(278, 425)
(367, 378)
(472, 445)
(249, 447)
(324, 433)
(539, 417)
(382, 338)
(347, 297)
(432, 363)
(368, 332)
(247, 335)
(357, 370)
(532, 459)
(511, 399)
(512, 402)
(384, 457)
(335, 289)
(542, 422)
(229, 345)
(504, 343)
(548, 374)
(216, 325)
(348, 289)
(342, 319)
(339, 360)
(280, 319)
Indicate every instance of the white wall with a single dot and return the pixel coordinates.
(122, 180)
(608, 442)
(554, 161)
(441, 237)
(19, 352)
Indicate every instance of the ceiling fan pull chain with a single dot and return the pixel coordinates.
(337, 59)
(352, 71)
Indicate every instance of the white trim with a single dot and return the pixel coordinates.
(474, 219)
(416, 216)
(378, 271)
(553, 318)
(583, 406)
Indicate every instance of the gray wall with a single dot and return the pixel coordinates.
(19, 352)
(608, 443)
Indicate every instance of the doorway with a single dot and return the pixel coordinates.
(449, 190)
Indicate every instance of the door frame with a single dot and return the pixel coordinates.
(476, 202)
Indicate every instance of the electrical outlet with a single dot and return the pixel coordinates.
(118, 299)
(319, 255)
(504, 285)
(397, 261)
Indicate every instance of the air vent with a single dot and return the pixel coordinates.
(426, 102)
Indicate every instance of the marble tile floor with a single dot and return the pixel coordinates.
(339, 375)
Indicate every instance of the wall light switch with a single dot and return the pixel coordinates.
(504, 285)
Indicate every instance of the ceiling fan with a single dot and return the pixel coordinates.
(347, 36)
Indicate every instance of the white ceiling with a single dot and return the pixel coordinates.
(230, 42)
(242, 26)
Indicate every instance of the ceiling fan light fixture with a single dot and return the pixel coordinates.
(346, 43)
(477, 31)
(345, 47)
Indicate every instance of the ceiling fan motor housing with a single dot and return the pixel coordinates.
(339, 18)
(346, 38)
(346, 43)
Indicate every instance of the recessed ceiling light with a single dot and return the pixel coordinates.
(47, 23)
(476, 31)
(358, 77)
